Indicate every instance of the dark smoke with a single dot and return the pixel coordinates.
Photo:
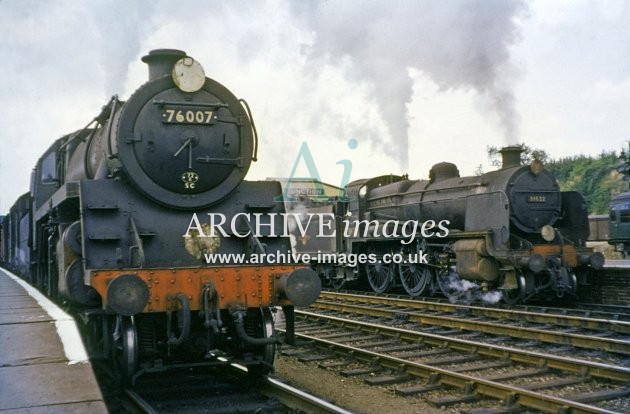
(458, 44)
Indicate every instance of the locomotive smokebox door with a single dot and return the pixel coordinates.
(184, 140)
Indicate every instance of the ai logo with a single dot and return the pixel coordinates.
(307, 156)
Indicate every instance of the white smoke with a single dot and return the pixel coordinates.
(458, 44)
(491, 297)
(466, 291)
(122, 25)
(319, 71)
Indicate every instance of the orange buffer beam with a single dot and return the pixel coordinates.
(236, 286)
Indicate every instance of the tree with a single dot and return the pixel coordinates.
(598, 179)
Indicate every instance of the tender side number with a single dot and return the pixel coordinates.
(186, 116)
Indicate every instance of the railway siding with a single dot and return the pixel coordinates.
(471, 323)
(430, 360)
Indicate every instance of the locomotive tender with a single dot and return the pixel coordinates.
(619, 212)
(102, 229)
(511, 231)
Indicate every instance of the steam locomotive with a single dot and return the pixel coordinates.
(509, 234)
(619, 223)
(106, 229)
(619, 212)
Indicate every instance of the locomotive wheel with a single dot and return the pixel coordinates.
(269, 352)
(415, 278)
(380, 276)
(265, 353)
(514, 296)
(125, 348)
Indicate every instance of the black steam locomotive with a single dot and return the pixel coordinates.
(509, 234)
(619, 212)
(107, 228)
(619, 223)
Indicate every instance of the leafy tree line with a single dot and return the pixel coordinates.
(596, 178)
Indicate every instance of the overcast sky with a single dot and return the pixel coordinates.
(414, 82)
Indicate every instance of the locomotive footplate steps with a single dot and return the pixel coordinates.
(43, 366)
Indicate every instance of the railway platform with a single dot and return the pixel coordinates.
(43, 365)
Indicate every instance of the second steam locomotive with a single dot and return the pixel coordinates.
(105, 228)
(510, 233)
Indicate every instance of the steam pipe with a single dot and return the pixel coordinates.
(239, 324)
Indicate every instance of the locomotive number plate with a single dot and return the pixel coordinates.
(187, 116)
(536, 199)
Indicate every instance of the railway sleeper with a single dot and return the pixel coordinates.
(388, 379)
(481, 365)
(417, 389)
(333, 364)
(557, 383)
(359, 371)
(601, 395)
(453, 399)
(452, 360)
(517, 374)
(311, 358)
(496, 410)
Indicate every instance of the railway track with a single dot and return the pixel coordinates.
(526, 323)
(224, 389)
(421, 357)
(585, 310)
(268, 396)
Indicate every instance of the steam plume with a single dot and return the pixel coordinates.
(458, 44)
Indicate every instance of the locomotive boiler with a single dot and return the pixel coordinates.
(109, 218)
(511, 231)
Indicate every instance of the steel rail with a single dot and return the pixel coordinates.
(495, 390)
(298, 399)
(564, 338)
(517, 355)
(617, 264)
(287, 395)
(141, 404)
(609, 325)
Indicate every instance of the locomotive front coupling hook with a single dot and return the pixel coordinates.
(209, 295)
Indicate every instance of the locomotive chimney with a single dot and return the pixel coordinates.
(161, 61)
(511, 156)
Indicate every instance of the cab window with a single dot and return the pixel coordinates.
(49, 169)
